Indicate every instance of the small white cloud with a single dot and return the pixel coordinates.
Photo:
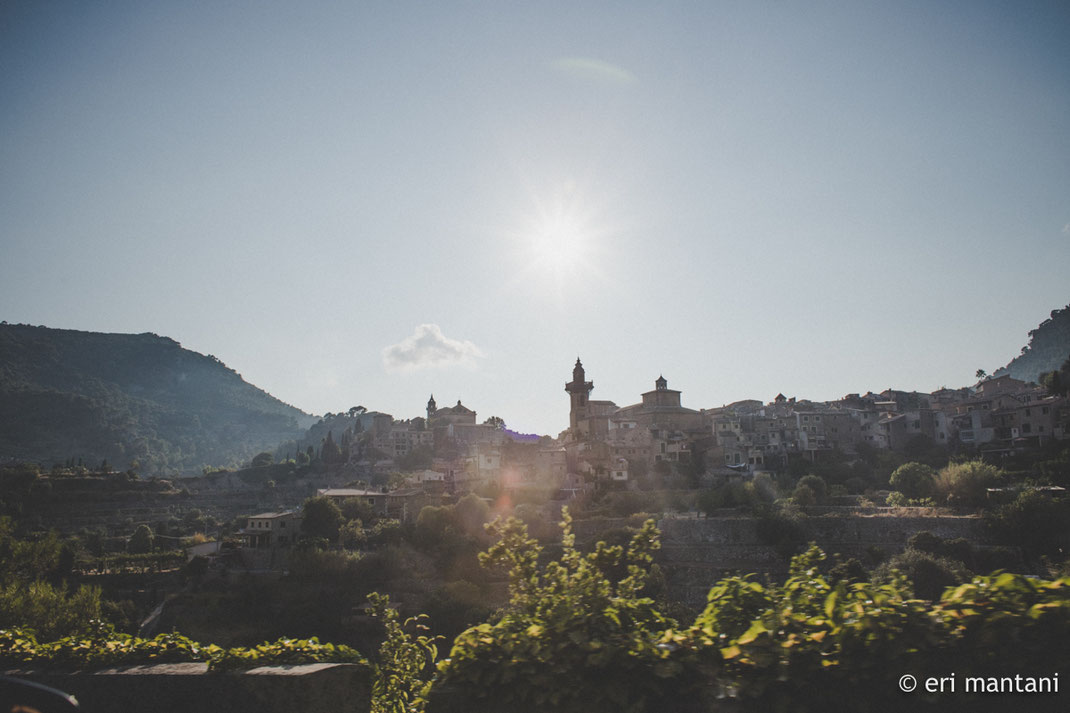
(593, 69)
(1066, 229)
(427, 347)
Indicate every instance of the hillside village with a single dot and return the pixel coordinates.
(997, 418)
(940, 484)
(934, 487)
(654, 444)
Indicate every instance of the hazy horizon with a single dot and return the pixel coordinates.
(353, 204)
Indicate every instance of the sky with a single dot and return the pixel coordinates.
(364, 203)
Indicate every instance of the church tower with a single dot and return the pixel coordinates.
(578, 390)
(431, 408)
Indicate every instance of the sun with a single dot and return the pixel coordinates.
(560, 237)
(561, 245)
(558, 244)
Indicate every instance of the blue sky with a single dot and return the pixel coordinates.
(363, 203)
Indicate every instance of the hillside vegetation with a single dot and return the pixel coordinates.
(133, 400)
(1048, 348)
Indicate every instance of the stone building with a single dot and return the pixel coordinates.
(443, 417)
(658, 428)
(271, 529)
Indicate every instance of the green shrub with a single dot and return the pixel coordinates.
(816, 484)
(49, 611)
(783, 529)
(99, 645)
(1034, 521)
(930, 574)
(405, 661)
(804, 495)
(732, 605)
(965, 483)
(925, 541)
(896, 499)
(914, 480)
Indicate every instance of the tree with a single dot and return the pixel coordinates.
(330, 452)
(358, 509)
(1057, 382)
(929, 573)
(141, 541)
(321, 518)
(815, 483)
(50, 611)
(470, 514)
(434, 525)
(357, 411)
(262, 459)
(913, 480)
(981, 374)
(804, 495)
(495, 421)
(419, 458)
(1036, 522)
(965, 483)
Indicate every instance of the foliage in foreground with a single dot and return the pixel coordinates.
(577, 633)
(101, 646)
(404, 661)
(580, 634)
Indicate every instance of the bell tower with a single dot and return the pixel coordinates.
(431, 408)
(578, 390)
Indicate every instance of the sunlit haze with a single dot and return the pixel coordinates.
(366, 203)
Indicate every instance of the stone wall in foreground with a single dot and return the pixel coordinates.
(190, 688)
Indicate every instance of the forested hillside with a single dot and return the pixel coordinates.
(134, 400)
(1048, 348)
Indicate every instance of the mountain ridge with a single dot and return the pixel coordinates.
(130, 399)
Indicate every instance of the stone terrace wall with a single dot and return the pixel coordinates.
(189, 688)
(696, 552)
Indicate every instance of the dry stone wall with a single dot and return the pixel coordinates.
(696, 551)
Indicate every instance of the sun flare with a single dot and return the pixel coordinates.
(558, 244)
(562, 244)
(560, 237)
